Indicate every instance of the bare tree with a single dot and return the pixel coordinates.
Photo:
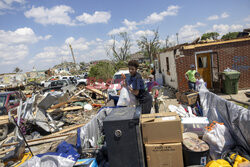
(120, 53)
(17, 70)
(150, 46)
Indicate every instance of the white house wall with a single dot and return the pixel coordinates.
(171, 79)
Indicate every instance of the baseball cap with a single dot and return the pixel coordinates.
(192, 66)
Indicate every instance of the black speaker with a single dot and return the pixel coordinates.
(123, 137)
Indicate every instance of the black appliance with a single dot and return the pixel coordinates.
(123, 137)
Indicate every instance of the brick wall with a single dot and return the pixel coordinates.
(235, 55)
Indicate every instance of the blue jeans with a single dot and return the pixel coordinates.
(191, 85)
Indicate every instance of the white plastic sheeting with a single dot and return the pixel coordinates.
(235, 117)
(65, 156)
(89, 134)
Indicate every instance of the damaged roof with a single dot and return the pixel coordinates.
(192, 46)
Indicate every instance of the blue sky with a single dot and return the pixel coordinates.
(36, 33)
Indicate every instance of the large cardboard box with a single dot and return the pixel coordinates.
(188, 98)
(160, 128)
(164, 155)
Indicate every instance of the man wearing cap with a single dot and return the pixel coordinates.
(190, 76)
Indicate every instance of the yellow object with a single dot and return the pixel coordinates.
(218, 163)
(239, 159)
(26, 157)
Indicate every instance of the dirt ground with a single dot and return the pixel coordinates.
(240, 96)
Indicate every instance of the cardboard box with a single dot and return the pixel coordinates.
(164, 155)
(160, 128)
(187, 98)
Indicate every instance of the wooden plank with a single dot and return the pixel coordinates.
(73, 99)
(39, 139)
(38, 142)
(4, 121)
(66, 109)
(96, 91)
(68, 129)
(5, 151)
(3, 117)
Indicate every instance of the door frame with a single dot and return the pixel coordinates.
(211, 61)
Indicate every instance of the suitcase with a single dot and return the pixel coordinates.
(123, 137)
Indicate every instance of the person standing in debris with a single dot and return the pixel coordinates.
(135, 85)
(151, 83)
(199, 82)
(189, 75)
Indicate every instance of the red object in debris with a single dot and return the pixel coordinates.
(96, 105)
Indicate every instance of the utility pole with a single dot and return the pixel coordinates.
(72, 54)
(177, 38)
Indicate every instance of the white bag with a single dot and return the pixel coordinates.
(219, 140)
(126, 98)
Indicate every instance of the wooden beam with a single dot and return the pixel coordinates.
(96, 91)
(39, 139)
(68, 129)
(66, 109)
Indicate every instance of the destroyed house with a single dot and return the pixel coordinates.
(210, 59)
(139, 57)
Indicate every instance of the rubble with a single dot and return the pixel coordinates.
(59, 123)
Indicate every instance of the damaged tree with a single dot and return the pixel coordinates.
(122, 52)
(149, 46)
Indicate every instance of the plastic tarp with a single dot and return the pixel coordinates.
(65, 156)
(235, 117)
(89, 134)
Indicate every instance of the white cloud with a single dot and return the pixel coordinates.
(8, 4)
(56, 15)
(144, 33)
(12, 54)
(118, 30)
(54, 55)
(130, 24)
(224, 15)
(21, 35)
(153, 18)
(97, 17)
(156, 17)
(47, 37)
(98, 40)
(224, 28)
(248, 25)
(78, 44)
(14, 44)
(188, 33)
(247, 19)
(213, 17)
(217, 17)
